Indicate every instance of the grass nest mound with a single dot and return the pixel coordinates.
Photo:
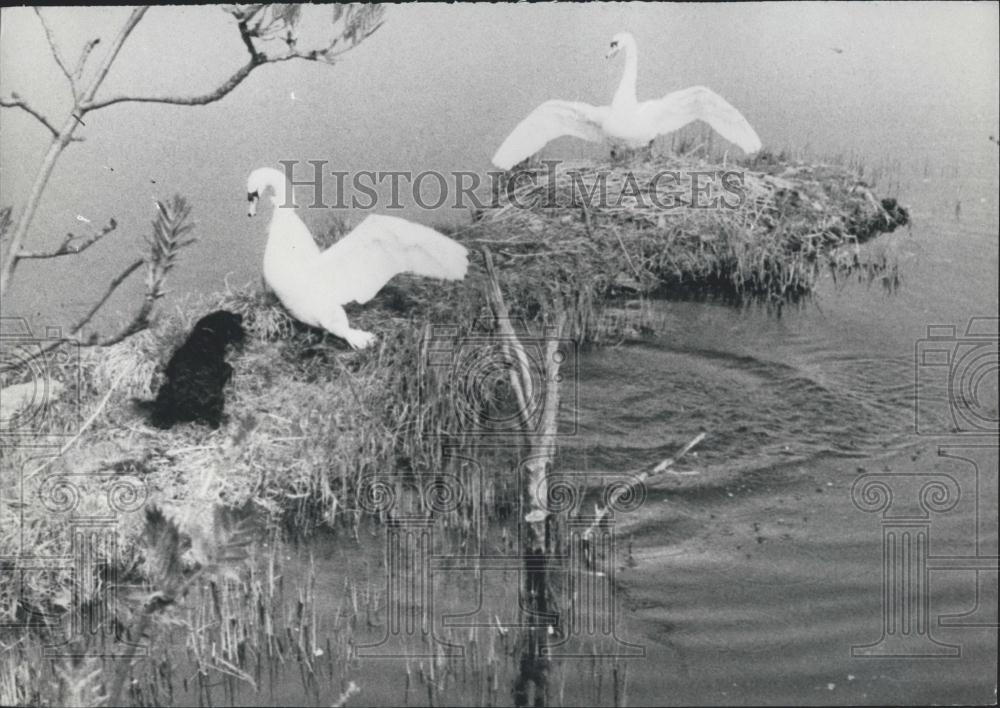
(764, 231)
(310, 420)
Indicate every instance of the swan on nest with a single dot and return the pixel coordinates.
(626, 120)
(314, 285)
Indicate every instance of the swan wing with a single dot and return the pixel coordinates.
(381, 247)
(549, 121)
(677, 109)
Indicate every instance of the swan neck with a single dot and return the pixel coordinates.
(625, 95)
(280, 188)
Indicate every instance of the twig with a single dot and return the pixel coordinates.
(349, 377)
(16, 101)
(55, 53)
(544, 450)
(5, 222)
(586, 219)
(60, 139)
(355, 32)
(642, 477)
(219, 92)
(83, 428)
(116, 46)
(248, 41)
(68, 247)
(627, 256)
(84, 55)
(512, 345)
(352, 688)
(93, 416)
(111, 288)
(138, 323)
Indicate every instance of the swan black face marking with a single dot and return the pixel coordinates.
(614, 45)
(252, 198)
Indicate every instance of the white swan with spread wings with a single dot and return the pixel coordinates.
(314, 285)
(626, 120)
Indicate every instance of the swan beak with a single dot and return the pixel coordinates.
(252, 198)
(611, 52)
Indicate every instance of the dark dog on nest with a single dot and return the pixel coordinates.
(197, 373)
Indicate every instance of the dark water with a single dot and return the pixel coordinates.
(754, 576)
(749, 580)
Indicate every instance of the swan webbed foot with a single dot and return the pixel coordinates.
(359, 339)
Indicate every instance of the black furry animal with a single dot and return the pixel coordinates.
(198, 372)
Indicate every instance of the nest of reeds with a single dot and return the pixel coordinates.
(309, 419)
(763, 232)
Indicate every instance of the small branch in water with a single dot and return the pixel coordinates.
(662, 466)
(586, 220)
(521, 379)
(352, 688)
(627, 256)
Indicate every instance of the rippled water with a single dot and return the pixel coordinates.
(749, 580)
(638, 403)
(753, 577)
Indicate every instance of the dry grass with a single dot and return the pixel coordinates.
(785, 223)
(309, 419)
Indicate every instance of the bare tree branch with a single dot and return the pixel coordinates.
(60, 140)
(520, 379)
(16, 101)
(356, 22)
(172, 224)
(5, 221)
(219, 92)
(360, 22)
(112, 286)
(661, 466)
(126, 30)
(68, 247)
(55, 53)
(84, 55)
(129, 330)
(248, 41)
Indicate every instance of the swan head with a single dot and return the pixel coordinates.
(259, 181)
(622, 40)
